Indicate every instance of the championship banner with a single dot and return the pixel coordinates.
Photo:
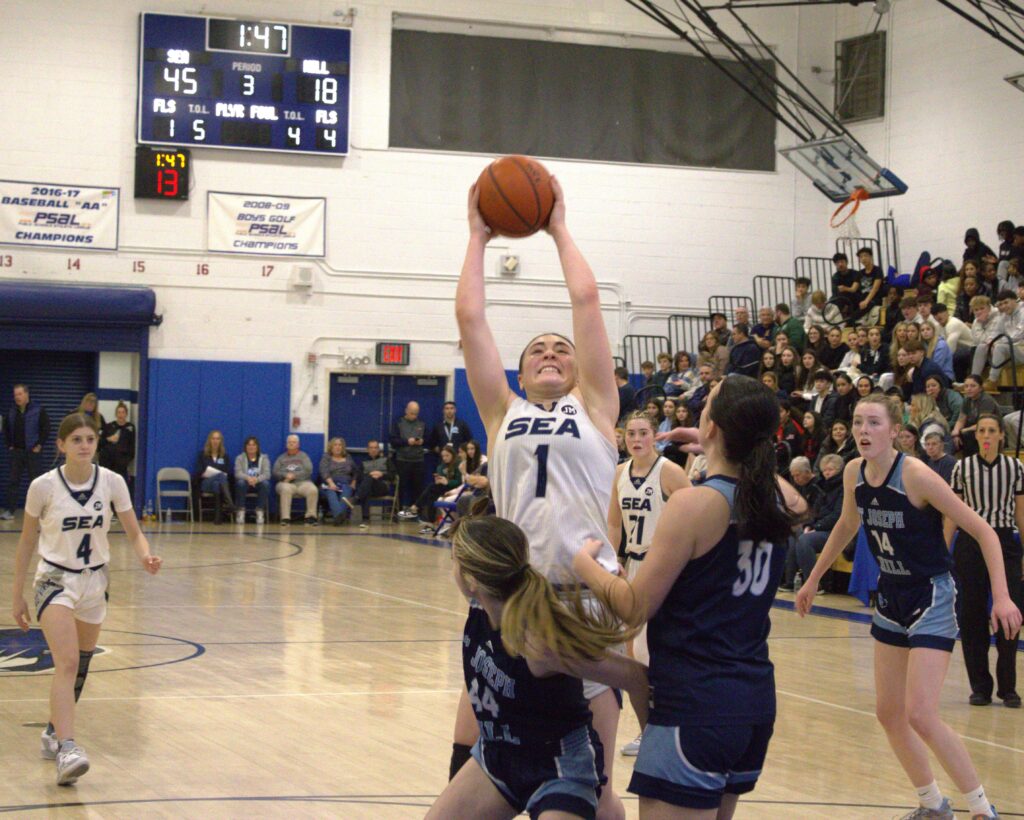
(51, 215)
(265, 225)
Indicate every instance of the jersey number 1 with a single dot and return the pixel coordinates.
(85, 549)
(542, 469)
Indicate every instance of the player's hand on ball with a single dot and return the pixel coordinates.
(1005, 616)
(477, 226)
(20, 612)
(557, 218)
(152, 564)
(805, 599)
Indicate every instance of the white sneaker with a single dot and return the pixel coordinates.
(259, 516)
(632, 749)
(71, 763)
(363, 525)
(48, 744)
(406, 515)
(240, 517)
(6, 515)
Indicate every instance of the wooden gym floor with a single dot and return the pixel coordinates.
(300, 672)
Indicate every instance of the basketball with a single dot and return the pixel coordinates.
(515, 196)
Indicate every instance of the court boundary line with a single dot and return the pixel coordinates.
(251, 696)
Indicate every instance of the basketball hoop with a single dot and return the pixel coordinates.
(853, 203)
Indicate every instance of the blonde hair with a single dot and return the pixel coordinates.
(980, 301)
(94, 418)
(337, 440)
(924, 409)
(535, 620)
(883, 401)
(220, 450)
(639, 415)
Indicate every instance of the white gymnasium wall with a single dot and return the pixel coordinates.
(660, 239)
(952, 128)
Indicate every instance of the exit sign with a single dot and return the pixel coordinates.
(393, 353)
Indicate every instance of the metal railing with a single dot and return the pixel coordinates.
(642, 348)
(816, 268)
(771, 290)
(685, 332)
(728, 305)
(888, 244)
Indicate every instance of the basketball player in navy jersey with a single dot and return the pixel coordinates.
(643, 484)
(67, 511)
(900, 502)
(706, 587)
(523, 652)
(553, 454)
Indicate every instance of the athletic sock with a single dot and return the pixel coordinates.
(460, 754)
(930, 796)
(977, 803)
(84, 659)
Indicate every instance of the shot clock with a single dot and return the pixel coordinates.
(243, 84)
(162, 173)
(393, 353)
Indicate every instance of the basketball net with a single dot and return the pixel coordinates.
(844, 218)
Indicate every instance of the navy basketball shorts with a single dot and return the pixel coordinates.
(919, 615)
(696, 766)
(566, 776)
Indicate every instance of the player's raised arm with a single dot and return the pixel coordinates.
(484, 369)
(593, 353)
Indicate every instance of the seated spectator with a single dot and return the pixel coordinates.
(908, 441)
(864, 386)
(761, 333)
(339, 477)
(741, 316)
(925, 309)
(745, 356)
(792, 327)
(976, 403)
(293, 471)
(376, 480)
(1004, 230)
(908, 307)
(874, 359)
(936, 350)
(118, 439)
(789, 370)
(647, 371)
(948, 401)
(926, 416)
(667, 423)
(446, 477)
(900, 334)
(627, 395)
(891, 306)
(654, 410)
(713, 353)
(988, 280)
(680, 418)
(683, 375)
(919, 368)
(987, 327)
(845, 285)
(782, 342)
(802, 477)
(974, 247)
(958, 339)
(768, 362)
(816, 340)
(212, 469)
(1012, 279)
(789, 438)
(89, 407)
(801, 298)
(936, 457)
(620, 443)
(663, 372)
(839, 442)
(821, 313)
(899, 407)
(846, 397)
(823, 401)
(697, 397)
(968, 290)
(480, 488)
(871, 281)
(1012, 320)
(771, 379)
(850, 364)
(720, 327)
(929, 285)
(804, 392)
(814, 436)
(826, 512)
(252, 474)
(949, 287)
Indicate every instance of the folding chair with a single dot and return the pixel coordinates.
(449, 508)
(174, 474)
(385, 501)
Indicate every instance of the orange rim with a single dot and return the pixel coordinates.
(857, 197)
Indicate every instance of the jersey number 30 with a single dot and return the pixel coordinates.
(754, 566)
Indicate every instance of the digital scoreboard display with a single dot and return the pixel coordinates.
(393, 353)
(161, 173)
(243, 84)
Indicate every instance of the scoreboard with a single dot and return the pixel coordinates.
(243, 84)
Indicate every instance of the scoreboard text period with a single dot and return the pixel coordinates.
(243, 84)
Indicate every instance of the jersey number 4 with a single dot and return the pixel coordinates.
(85, 549)
(487, 703)
(754, 566)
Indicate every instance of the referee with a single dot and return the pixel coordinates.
(992, 485)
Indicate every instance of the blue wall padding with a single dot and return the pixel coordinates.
(23, 302)
(188, 398)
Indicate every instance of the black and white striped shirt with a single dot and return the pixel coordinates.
(990, 489)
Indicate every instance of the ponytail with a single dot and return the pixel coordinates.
(747, 413)
(536, 620)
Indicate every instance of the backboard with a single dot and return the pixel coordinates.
(837, 165)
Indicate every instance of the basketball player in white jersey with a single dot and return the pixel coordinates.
(643, 483)
(67, 512)
(553, 454)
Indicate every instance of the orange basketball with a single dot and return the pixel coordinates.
(515, 196)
